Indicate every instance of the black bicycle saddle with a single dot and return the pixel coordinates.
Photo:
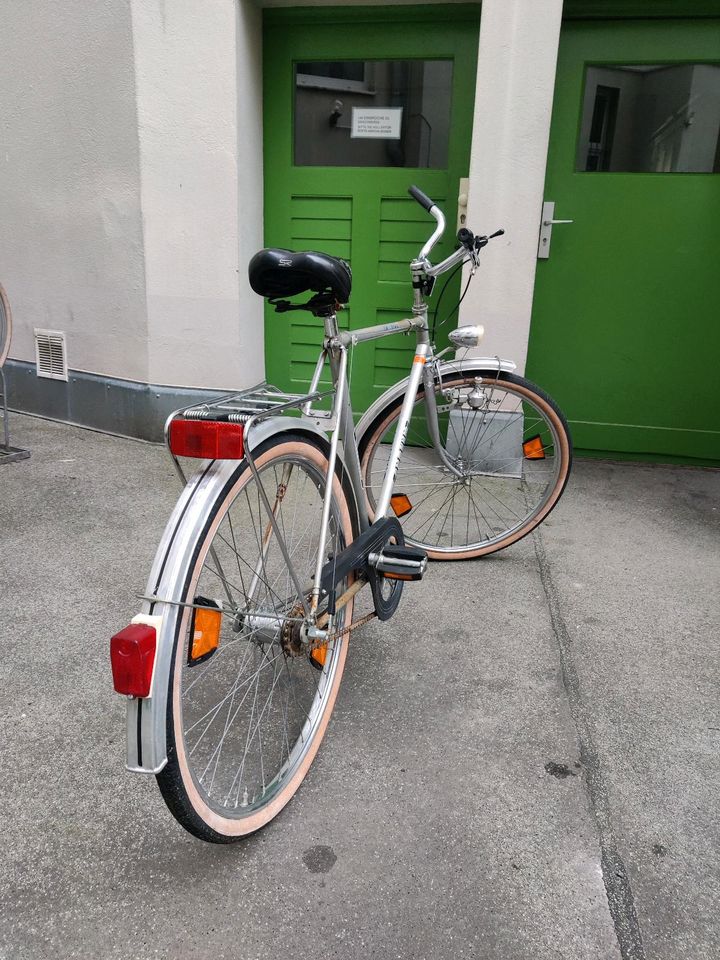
(284, 273)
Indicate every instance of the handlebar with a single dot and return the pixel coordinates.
(469, 243)
(422, 198)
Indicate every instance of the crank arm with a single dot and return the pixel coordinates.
(354, 559)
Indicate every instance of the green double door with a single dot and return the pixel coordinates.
(359, 104)
(626, 319)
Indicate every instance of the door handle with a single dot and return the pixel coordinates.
(547, 221)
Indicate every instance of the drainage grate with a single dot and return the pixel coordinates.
(50, 357)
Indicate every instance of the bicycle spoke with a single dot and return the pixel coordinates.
(483, 454)
(251, 710)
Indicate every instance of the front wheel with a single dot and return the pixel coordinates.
(245, 717)
(506, 459)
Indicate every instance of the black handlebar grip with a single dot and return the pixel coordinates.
(422, 198)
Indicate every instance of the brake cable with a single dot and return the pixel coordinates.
(435, 324)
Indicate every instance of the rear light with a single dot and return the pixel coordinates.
(132, 656)
(206, 439)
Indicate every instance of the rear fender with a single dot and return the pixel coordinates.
(146, 733)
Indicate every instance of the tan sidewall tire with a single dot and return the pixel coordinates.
(5, 344)
(230, 827)
(521, 532)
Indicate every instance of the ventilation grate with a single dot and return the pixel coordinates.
(50, 357)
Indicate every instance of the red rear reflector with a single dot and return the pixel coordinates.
(206, 439)
(533, 449)
(132, 655)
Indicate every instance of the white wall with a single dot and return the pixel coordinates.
(71, 255)
(628, 83)
(131, 185)
(199, 82)
(515, 84)
(701, 137)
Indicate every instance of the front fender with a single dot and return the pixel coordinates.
(495, 364)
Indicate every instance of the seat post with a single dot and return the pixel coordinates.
(331, 325)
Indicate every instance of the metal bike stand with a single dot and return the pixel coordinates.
(8, 454)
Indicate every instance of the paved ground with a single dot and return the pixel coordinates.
(522, 764)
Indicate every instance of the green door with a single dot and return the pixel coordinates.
(626, 318)
(359, 104)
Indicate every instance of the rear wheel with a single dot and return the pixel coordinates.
(509, 452)
(245, 720)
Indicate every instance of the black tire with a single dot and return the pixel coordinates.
(499, 494)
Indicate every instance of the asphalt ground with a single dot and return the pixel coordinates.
(522, 763)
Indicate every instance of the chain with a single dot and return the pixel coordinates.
(341, 633)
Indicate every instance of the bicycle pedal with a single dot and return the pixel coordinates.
(400, 562)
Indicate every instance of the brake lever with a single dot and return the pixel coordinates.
(481, 242)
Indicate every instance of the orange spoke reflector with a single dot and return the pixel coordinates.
(205, 631)
(533, 449)
(400, 502)
(206, 439)
(319, 655)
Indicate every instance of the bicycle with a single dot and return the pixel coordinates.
(232, 669)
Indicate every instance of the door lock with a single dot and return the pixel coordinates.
(463, 202)
(547, 222)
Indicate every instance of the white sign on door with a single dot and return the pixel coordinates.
(376, 123)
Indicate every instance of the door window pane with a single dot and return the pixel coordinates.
(373, 113)
(651, 119)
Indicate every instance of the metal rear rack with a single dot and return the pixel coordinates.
(251, 407)
(258, 402)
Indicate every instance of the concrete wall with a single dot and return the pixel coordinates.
(71, 250)
(199, 82)
(628, 83)
(667, 117)
(131, 198)
(701, 143)
(515, 85)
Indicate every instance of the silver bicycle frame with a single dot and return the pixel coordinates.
(335, 347)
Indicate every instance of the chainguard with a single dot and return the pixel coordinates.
(380, 553)
(354, 558)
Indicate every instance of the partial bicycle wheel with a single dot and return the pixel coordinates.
(245, 718)
(507, 459)
(5, 326)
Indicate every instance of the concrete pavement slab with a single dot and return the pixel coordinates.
(448, 813)
(639, 600)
